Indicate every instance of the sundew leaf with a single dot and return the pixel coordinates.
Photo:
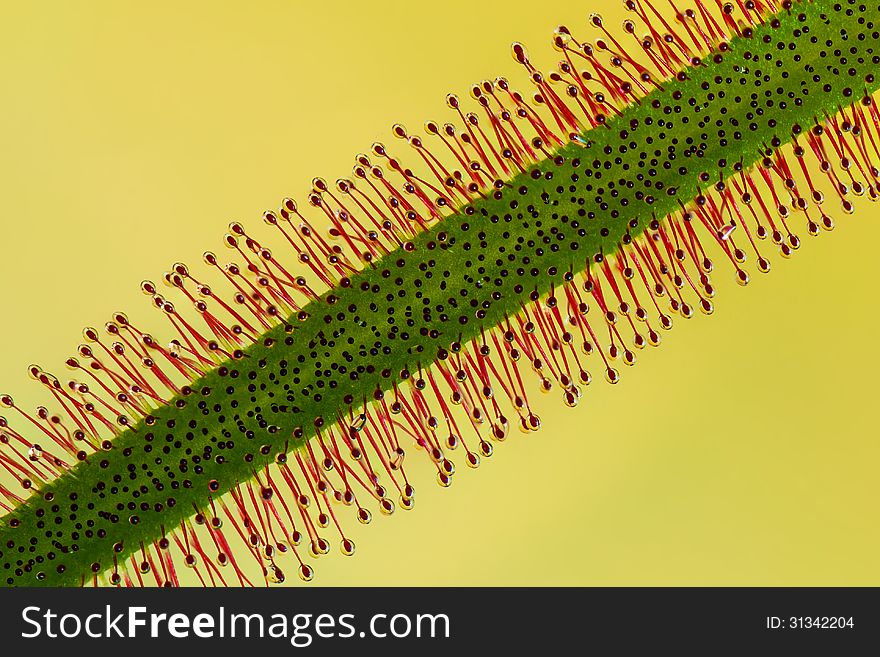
(520, 256)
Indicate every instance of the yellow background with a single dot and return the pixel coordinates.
(743, 451)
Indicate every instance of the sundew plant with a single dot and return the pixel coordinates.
(536, 244)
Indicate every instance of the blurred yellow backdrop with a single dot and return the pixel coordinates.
(742, 451)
